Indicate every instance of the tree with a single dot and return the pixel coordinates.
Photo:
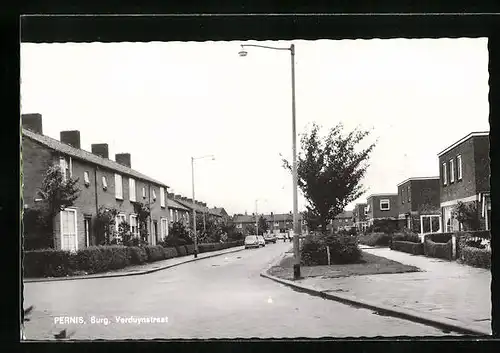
(143, 212)
(104, 225)
(330, 170)
(56, 194)
(263, 226)
(250, 229)
(467, 214)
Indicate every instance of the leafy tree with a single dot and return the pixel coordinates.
(467, 214)
(104, 225)
(330, 170)
(263, 226)
(178, 234)
(143, 212)
(250, 229)
(56, 194)
(124, 233)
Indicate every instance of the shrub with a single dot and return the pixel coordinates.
(136, 242)
(138, 255)
(408, 247)
(476, 257)
(48, 263)
(189, 249)
(169, 253)
(181, 251)
(439, 250)
(375, 239)
(114, 256)
(406, 237)
(343, 249)
(439, 237)
(154, 253)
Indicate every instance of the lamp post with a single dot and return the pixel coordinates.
(296, 226)
(194, 209)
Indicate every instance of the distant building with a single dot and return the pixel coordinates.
(343, 221)
(465, 176)
(359, 217)
(381, 207)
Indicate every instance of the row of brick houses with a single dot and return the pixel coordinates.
(104, 183)
(276, 222)
(425, 204)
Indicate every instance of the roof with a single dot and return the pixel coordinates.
(190, 206)
(463, 139)
(387, 194)
(176, 205)
(218, 211)
(418, 178)
(87, 156)
(244, 218)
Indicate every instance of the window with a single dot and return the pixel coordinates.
(86, 178)
(385, 205)
(408, 192)
(64, 167)
(367, 209)
(172, 215)
(154, 195)
(445, 176)
(176, 215)
(239, 226)
(68, 230)
(131, 186)
(119, 220)
(276, 224)
(162, 197)
(459, 167)
(143, 193)
(118, 187)
(402, 196)
(452, 171)
(134, 229)
(104, 183)
(164, 227)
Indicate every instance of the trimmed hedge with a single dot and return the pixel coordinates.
(155, 253)
(406, 237)
(97, 259)
(189, 249)
(476, 257)
(138, 255)
(47, 263)
(181, 250)
(343, 250)
(408, 247)
(375, 239)
(439, 237)
(438, 250)
(169, 253)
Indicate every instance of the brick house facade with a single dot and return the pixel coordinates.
(419, 205)
(359, 216)
(464, 171)
(343, 221)
(97, 179)
(381, 207)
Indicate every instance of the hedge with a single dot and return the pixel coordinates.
(138, 255)
(438, 250)
(169, 253)
(406, 237)
(47, 263)
(343, 250)
(375, 239)
(476, 257)
(439, 237)
(97, 259)
(155, 253)
(189, 249)
(181, 250)
(408, 247)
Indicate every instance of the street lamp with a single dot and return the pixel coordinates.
(296, 226)
(194, 210)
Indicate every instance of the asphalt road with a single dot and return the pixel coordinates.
(220, 297)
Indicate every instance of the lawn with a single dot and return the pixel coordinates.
(369, 265)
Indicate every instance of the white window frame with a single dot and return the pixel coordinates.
(118, 187)
(136, 232)
(76, 228)
(86, 178)
(104, 182)
(120, 217)
(131, 189)
(239, 225)
(452, 171)
(445, 174)
(163, 228)
(171, 214)
(154, 194)
(176, 215)
(388, 204)
(143, 192)
(62, 165)
(459, 167)
(162, 197)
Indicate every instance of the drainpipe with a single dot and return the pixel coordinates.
(96, 197)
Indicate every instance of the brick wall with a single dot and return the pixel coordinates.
(482, 163)
(36, 160)
(376, 212)
(425, 192)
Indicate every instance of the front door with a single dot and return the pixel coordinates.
(69, 240)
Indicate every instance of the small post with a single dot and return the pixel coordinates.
(328, 253)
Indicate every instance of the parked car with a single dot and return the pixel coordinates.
(262, 242)
(280, 237)
(251, 241)
(270, 238)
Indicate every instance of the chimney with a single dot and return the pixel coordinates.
(32, 122)
(100, 149)
(189, 200)
(178, 197)
(272, 214)
(170, 195)
(123, 159)
(71, 138)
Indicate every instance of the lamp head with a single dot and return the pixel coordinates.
(242, 52)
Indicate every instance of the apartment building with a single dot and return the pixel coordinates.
(381, 207)
(102, 181)
(419, 205)
(465, 176)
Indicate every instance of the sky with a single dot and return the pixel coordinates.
(165, 102)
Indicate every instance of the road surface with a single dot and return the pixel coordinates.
(220, 297)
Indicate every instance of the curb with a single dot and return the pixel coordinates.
(126, 274)
(409, 314)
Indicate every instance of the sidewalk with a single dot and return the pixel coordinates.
(443, 292)
(142, 269)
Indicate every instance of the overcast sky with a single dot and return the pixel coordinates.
(166, 102)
